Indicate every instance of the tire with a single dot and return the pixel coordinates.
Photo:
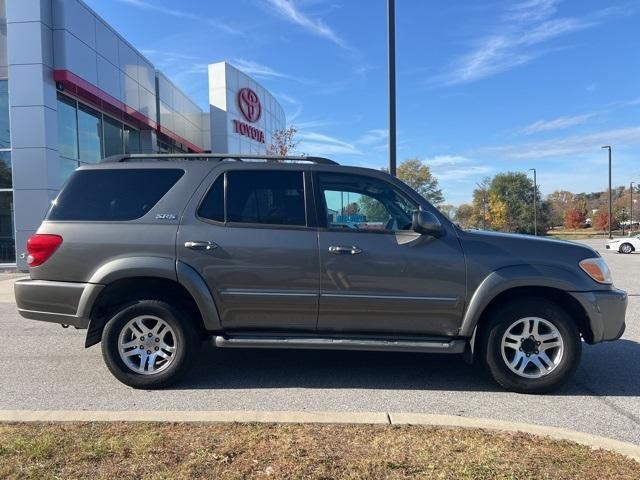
(503, 342)
(626, 248)
(168, 352)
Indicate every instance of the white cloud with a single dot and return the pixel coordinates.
(207, 20)
(521, 31)
(462, 174)
(288, 10)
(558, 123)
(373, 137)
(321, 144)
(572, 145)
(256, 69)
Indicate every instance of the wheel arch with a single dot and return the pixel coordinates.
(163, 279)
(526, 281)
(633, 248)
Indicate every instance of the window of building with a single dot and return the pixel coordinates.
(212, 206)
(5, 169)
(67, 128)
(86, 135)
(89, 134)
(112, 195)
(267, 197)
(113, 143)
(5, 139)
(131, 140)
(363, 203)
(7, 242)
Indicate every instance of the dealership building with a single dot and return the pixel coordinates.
(74, 91)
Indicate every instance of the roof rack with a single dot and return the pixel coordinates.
(216, 157)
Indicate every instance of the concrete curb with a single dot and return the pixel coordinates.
(378, 418)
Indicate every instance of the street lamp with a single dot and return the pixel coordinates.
(608, 147)
(391, 45)
(535, 195)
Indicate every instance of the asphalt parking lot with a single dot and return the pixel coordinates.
(45, 367)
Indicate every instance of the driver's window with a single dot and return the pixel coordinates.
(362, 203)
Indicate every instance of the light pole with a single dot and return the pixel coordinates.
(391, 45)
(608, 147)
(631, 206)
(535, 198)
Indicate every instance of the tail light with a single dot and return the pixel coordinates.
(40, 247)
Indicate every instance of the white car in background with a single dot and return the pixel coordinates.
(625, 245)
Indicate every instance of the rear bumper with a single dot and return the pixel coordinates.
(605, 311)
(66, 303)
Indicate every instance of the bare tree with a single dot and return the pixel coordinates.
(283, 142)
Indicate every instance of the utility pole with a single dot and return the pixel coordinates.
(608, 147)
(391, 45)
(631, 206)
(535, 198)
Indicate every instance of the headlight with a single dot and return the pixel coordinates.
(597, 269)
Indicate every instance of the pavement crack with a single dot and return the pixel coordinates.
(602, 398)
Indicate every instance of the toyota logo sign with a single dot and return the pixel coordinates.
(249, 104)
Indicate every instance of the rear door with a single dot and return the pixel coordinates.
(252, 237)
(377, 275)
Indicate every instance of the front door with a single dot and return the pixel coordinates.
(251, 241)
(377, 275)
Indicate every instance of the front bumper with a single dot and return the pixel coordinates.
(605, 311)
(67, 303)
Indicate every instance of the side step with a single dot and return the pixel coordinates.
(317, 343)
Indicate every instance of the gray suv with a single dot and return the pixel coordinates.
(154, 253)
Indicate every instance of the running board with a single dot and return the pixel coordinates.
(315, 343)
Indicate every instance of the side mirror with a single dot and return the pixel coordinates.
(426, 223)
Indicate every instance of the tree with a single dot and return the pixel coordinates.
(601, 221)
(560, 202)
(481, 217)
(419, 177)
(574, 219)
(351, 209)
(464, 215)
(498, 212)
(283, 142)
(448, 210)
(511, 203)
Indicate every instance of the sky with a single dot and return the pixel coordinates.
(482, 87)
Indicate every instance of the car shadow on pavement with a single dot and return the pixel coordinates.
(609, 369)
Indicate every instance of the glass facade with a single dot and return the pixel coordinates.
(7, 231)
(86, 135)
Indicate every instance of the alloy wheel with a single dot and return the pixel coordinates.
(147, 344)
(532, 347)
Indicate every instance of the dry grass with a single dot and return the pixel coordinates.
(229, 451)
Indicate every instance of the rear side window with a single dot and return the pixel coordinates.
(112, 195)
(257, 197)
(212, 206)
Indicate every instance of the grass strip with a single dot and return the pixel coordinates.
(247, 451)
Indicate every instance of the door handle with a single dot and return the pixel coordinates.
(200, 245)
(339, 250)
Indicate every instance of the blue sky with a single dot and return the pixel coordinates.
(483, 87)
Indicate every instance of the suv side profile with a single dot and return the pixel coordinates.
(155, 253)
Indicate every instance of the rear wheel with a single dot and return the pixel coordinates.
(149, 344)
(626, 248)
(531, 346)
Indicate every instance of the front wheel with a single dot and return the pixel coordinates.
(149, 344)
(531, 346)
(626, 248)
